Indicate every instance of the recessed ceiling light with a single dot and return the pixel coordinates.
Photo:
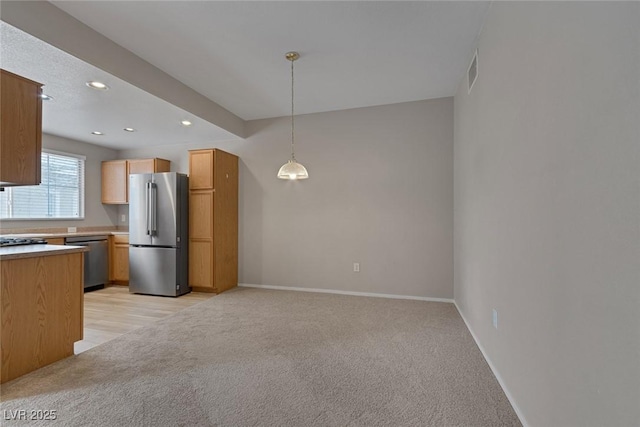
(45, 97)
(186, 123)
(129, 129)
(97, 85)
(95, 132)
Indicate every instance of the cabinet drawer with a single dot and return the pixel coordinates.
(121, 239)
(55, 241)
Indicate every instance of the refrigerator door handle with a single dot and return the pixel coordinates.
(148, 207)
(154, 208)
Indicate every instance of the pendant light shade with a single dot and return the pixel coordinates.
(292, 169)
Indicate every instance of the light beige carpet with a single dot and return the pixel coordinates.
(252, 357)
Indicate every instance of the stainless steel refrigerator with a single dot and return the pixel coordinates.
(158, 234)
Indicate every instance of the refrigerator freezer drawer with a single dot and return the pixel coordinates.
(157, 271)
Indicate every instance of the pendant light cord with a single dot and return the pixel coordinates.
(293, 157)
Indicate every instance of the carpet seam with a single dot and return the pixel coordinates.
(350, 293)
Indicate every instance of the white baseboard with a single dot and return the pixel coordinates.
(495, 371)
(333, 291)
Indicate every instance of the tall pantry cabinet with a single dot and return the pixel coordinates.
(213, 220)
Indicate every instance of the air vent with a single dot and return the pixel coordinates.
(472, 74)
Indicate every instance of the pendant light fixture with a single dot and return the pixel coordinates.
(292, 169)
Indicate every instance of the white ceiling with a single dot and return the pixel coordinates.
(77, 110)
(353, 54)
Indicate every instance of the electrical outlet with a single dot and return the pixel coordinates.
(71, 229)
(123, 218)
(356, 267)
(495, 318)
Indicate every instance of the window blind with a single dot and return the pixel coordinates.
(59, 195)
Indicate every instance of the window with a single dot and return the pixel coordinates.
(60, 195)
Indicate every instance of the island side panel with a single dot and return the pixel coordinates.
(41, 311)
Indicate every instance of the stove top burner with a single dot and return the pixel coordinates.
(16, 241)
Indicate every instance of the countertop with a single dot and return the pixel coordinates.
(67, 234)
(30, 251)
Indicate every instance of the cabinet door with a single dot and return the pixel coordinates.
(121, 263)
(161, 165)
(200, 265)
(201, 215)
(119, 258)
(201, 240)
(20, 130)
(149, 165)
(201, 169)
(114, 182)
(141, 166)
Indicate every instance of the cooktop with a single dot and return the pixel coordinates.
(16, 241)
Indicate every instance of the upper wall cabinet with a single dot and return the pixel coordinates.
(21, 130)
(115, 177)
(114, 182)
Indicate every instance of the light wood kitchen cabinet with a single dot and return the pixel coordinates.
(115, 177)
(201, 170)
(213, 220)
(119, 259)
(55, 241)
(148, 165)
(20, 130)
(41, 311)
(114, 182)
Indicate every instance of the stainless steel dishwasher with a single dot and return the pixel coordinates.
(96, 261)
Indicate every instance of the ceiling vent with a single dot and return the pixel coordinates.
(472, 73)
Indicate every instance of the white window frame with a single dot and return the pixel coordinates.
(81, 198)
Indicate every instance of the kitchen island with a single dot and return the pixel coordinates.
(41, 306)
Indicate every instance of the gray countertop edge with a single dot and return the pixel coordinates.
(33, 251)
(62, 235)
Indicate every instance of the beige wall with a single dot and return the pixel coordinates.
(95, 213)
(380, 193)
(547, 203)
